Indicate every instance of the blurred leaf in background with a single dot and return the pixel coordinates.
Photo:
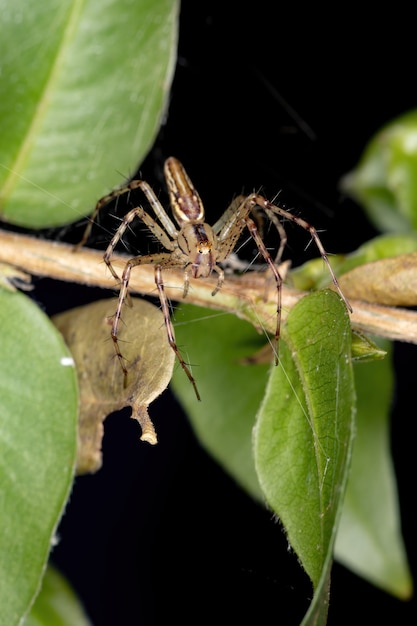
(84, 89)
(384, 182)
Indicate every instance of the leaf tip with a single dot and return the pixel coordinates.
(140, 413)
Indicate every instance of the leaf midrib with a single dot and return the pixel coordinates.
(39, 112)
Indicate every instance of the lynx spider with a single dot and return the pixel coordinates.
(195, 246)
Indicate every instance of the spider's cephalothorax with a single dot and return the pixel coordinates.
(195, 246)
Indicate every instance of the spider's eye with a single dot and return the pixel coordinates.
(204, 247)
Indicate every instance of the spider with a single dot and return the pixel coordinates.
(195, 246)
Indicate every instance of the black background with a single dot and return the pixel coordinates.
(284, 100)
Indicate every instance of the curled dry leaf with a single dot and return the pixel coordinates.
(391, 281)
(11, 278)
(150, 361)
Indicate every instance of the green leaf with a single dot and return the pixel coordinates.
(38, 419)
(56, 604)
(84, 88)
(385, 180)
(304, 432)
(369, 541)
(364, 349)
(218, 345)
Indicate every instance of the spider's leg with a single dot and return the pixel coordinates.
(123, 298)
(220, 279)
(229, 216)
(281, 233)
(272, 208)
(151, 198)
(170, 329)
(186, 282)
(251, 226)
(153, 226)
(231, 224)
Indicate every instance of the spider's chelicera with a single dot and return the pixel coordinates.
(194, 245)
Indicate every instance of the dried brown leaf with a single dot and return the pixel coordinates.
(149, 358)
(391, 281)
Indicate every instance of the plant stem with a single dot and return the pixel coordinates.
(245, 296)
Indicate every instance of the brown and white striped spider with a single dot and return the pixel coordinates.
(195, 246)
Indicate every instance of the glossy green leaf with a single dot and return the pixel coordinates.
(304, 433)
(84, 86)
(385, 180)
(56, 604)
(369, 541)
(217, 345)
(38, 418)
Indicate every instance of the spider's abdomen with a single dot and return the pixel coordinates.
(187, 208)
(185, 202)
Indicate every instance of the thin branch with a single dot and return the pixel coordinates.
(243, 295)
